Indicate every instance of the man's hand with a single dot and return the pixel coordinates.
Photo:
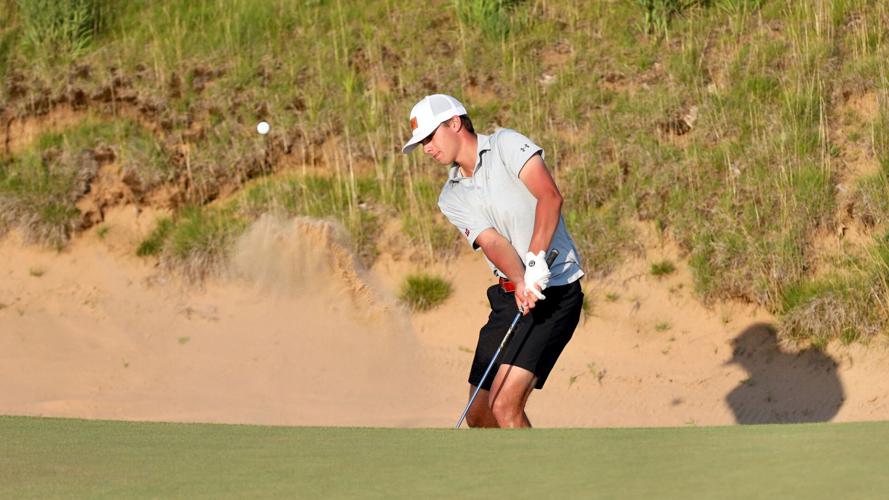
(536, 275)
(524, 300)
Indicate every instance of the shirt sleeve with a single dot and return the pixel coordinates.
(516, 150)
(470, 224)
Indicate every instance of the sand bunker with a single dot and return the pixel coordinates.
(287, 341)
(295, 334)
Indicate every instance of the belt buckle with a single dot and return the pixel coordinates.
(507, 286)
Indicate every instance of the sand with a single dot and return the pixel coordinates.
(295, 334)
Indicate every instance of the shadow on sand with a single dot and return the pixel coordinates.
(782, 387)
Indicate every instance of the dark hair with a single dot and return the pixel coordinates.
(467, 123)
(464, 121)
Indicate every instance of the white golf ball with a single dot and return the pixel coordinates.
(262, 128)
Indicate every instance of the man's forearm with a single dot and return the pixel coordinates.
(546, 220)
(501, 253)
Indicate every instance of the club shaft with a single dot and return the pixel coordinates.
(549, 262)
(515, 321)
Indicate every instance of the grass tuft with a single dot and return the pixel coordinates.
(154, 243)
(662, 268)
(847, 307)
(199, 242)
(422, 292)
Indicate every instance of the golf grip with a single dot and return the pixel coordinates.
(549, 262)
(552, 257)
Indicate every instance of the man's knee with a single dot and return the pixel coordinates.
(477, 419)
(506, 408)
(509, 393)
(479, 414)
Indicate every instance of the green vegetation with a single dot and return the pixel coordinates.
(492, 17)
(422, 292)
(588, 308)
(57, 31)
(719, 123)
(195, 243)
(55, 458)
(38, 192)
(199, 242)
(40, 187)
(154, 243)
(662, 268)
(818, 308)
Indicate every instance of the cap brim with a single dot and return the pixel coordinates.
(417, 138)
(411, 145)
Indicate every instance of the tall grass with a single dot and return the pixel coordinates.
(40, 187)
(849, 306)
(492, 17)
(58, 31)
(38, 194)
(8, 34)
(198, 244)
(658, 14)
(744, 187)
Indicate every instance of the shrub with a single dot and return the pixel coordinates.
(199, 241)
(662, 268)
(422, 292)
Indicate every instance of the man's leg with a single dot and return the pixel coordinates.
(509, 394)
(480, 414)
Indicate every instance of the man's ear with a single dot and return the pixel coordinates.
(456, 123)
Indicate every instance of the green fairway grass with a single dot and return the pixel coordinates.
(44, 458)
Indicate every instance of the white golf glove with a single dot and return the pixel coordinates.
(536, 273)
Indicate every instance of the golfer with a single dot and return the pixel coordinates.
(501, 197)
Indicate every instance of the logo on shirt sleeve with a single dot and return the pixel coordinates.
(525, 147)
(466, 232)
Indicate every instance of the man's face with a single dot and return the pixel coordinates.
(443, 144)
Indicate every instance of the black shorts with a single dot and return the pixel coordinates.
(538, 338)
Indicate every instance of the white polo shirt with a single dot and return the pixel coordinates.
(495, 197)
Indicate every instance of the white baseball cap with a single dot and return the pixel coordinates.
(428, 114)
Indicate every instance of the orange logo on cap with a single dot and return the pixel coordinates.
(413, 123)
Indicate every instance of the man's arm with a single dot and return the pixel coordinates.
(501, 253)
(540, 183)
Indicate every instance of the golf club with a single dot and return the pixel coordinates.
(549, 262)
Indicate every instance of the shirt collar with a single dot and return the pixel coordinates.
(454, 174)
(484, 144)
